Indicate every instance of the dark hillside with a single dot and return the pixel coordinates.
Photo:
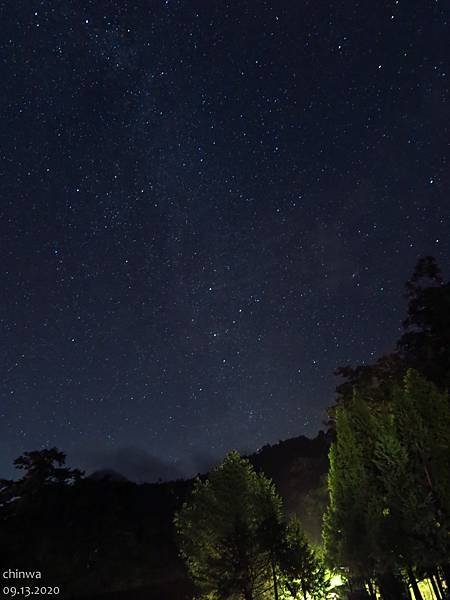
(298, 467)
(106, 538)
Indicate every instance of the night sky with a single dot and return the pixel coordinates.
(206, 207)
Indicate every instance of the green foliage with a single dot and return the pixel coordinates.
(348, 522)
(422, 417)
(389, 481)
(223, 530)
(235, 542)
(301, 570)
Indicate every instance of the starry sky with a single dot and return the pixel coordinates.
(206, 207)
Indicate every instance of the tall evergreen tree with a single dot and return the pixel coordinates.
(236, 543)
(423, 428)
(301, 570)
(346, 533)
(42, 469)
(398, 452)
(425, 343)
(223, 531)
(355, 525)
(423, 346)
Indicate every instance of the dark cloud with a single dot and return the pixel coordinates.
(134, 463)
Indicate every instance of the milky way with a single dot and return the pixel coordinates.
(206, 208)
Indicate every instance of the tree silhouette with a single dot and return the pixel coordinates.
(423, 346)
(43, 468)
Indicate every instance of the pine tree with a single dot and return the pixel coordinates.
(347, 536)
(43, 469)
(425, 343)
(423, 428)
(357, 526)
(223, 530)
(300, 567)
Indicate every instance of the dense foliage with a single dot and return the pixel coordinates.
(389, 482)
(235, 541)
(106, 538)
(388, 520)
(91, 536)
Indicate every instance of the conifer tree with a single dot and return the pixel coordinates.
(222, 531)
(301, 569)
(236, 543)
(356, 531)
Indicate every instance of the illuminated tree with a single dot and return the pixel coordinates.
(389, 485)
(300, 568)
(223, 528)
(348, 529)
(422, 418)
(355, 521)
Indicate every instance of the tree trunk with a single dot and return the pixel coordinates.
(434, 587)
(391, 587)
(372, 593)
(437, 579)
(275, 582)
(305, 596)
(445, 567)
(414, 584)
